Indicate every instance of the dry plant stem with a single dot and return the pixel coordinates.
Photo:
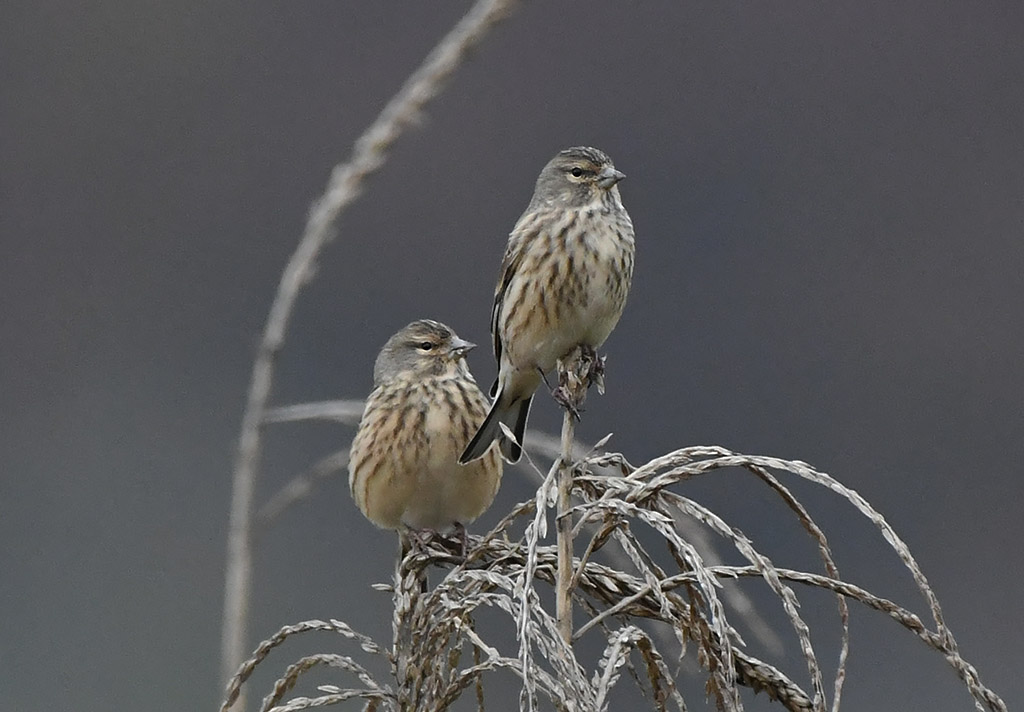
(299, 488)
(572, 382)
(408, 583)
(563, 601)
(344, 187)
(234, 689)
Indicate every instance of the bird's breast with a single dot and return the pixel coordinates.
(570, 288)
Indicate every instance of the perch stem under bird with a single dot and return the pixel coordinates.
(576, 373)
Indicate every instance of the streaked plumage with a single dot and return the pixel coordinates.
(564, 280)
(403, 469)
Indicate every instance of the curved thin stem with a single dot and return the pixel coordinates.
(344, 187)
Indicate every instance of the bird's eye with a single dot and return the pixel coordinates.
(426, 345)
(577, 172)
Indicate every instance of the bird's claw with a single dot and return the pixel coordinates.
(594, 367)
(564, 397)
(457, 543)
(576, 373)
(462, 538)
(420, 538)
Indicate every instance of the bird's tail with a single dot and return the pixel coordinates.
(512, 415)
(512, 450)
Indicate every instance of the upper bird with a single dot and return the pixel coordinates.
(563, 283)
(403, 469)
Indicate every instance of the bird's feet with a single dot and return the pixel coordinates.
(576, 373)
(566, 397)
(562, 392)
(594, 364)
(419, 539)
(461, 539)
(457, 543)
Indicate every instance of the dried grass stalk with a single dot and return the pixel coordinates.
(630, 597)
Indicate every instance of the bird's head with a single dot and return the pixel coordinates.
(577, 177)
(423, 348)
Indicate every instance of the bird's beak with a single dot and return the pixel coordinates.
(609, 177)
(460, 347)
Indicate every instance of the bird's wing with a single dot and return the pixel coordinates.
(509, 265)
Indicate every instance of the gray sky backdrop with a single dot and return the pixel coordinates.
(828, 206)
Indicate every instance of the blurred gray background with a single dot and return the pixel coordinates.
(828, 206)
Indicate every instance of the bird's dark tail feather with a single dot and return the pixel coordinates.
(513, 450)
(485, 434)
(490, 430)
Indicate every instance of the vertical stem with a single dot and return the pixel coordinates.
(238, 574)
(573, 380)
(405, 590)
(563, 600)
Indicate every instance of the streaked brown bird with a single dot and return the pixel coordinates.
(403, 470)
(563, 283)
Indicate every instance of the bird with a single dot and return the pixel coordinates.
(563, 283)
(404, 472)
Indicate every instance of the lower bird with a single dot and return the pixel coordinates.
(564, 279)
(404, 472)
